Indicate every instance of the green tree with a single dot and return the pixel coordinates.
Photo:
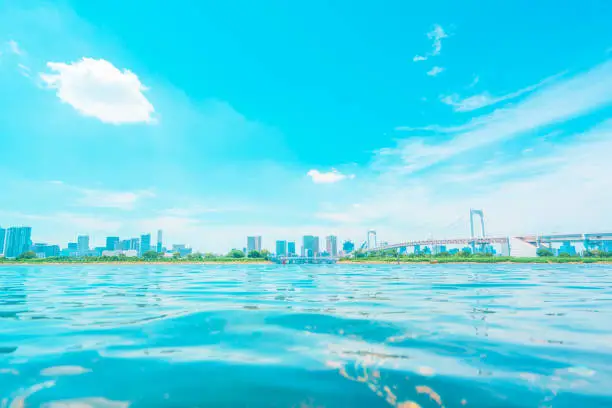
(235, 253)
(150, 255)
(264, 253)
(195, 257)
(176, 255)
(254, 254)
(27, 255)
(544, 252)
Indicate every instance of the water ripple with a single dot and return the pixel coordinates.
(306, 336)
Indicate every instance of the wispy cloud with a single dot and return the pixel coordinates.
(96, 88)
(103, 198)
(332, 176)
(24, 70)
(485, 99)
(124, 200)
(437, 34)
(14, 47)
(435, 71)
(555, 103)
(474, 82)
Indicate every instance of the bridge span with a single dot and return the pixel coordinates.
(435, 242)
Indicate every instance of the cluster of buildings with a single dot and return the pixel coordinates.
(310, 246)
(15, 241)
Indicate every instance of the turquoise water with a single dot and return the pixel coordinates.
(306, 336)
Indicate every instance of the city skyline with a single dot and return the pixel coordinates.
(332, 128)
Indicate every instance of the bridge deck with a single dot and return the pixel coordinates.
(454, 241)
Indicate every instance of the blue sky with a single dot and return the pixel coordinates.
(217, 120)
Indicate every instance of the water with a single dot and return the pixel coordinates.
(306, 336)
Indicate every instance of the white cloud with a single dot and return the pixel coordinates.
(436, 35)
(435, 71)
(533, 200)
(24, 70)
(332, 176)
(485, 99)
(474, 82)
(14, 47)
(553, 104)
(125, 200)
(97, 88)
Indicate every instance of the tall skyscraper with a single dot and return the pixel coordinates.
(83, 244)
(17, 241)
(291, 248)
(311, 245)
(281, 248)
(2, 236)
(331, 245)
(145, 243)
(111, 243)
(254, 243)
(135, 244)
(159, 241)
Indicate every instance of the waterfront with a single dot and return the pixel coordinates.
(306, 336)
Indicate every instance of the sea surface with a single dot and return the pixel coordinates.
(371, 336)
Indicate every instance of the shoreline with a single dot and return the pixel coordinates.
(340, 262)
(141, 263)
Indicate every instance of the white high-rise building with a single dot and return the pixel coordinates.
(331, 245)
(254, 243)
(159, 241)
(83, 244)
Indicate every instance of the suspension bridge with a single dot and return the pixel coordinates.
(478, 240)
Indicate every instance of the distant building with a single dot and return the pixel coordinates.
(145, 243)
(45, 250)
(135, 244)
(291, 248)
(98, 250)
(348, 247)
(111, 243)
(311, 245)
(125, 244)
(130, 254)
(254, 243)
(17, 241)
(567, 248)
(71, 250)
(182, 249)
(281, 248)
(2, 240)
(83, 244)
(331, 245)
(159, 241)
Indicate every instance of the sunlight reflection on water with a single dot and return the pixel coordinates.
(334, 336)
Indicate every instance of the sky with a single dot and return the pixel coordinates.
(217, 120)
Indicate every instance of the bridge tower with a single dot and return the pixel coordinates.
(371, 239)
(479, 214)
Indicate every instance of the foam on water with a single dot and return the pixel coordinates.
(306, 336)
